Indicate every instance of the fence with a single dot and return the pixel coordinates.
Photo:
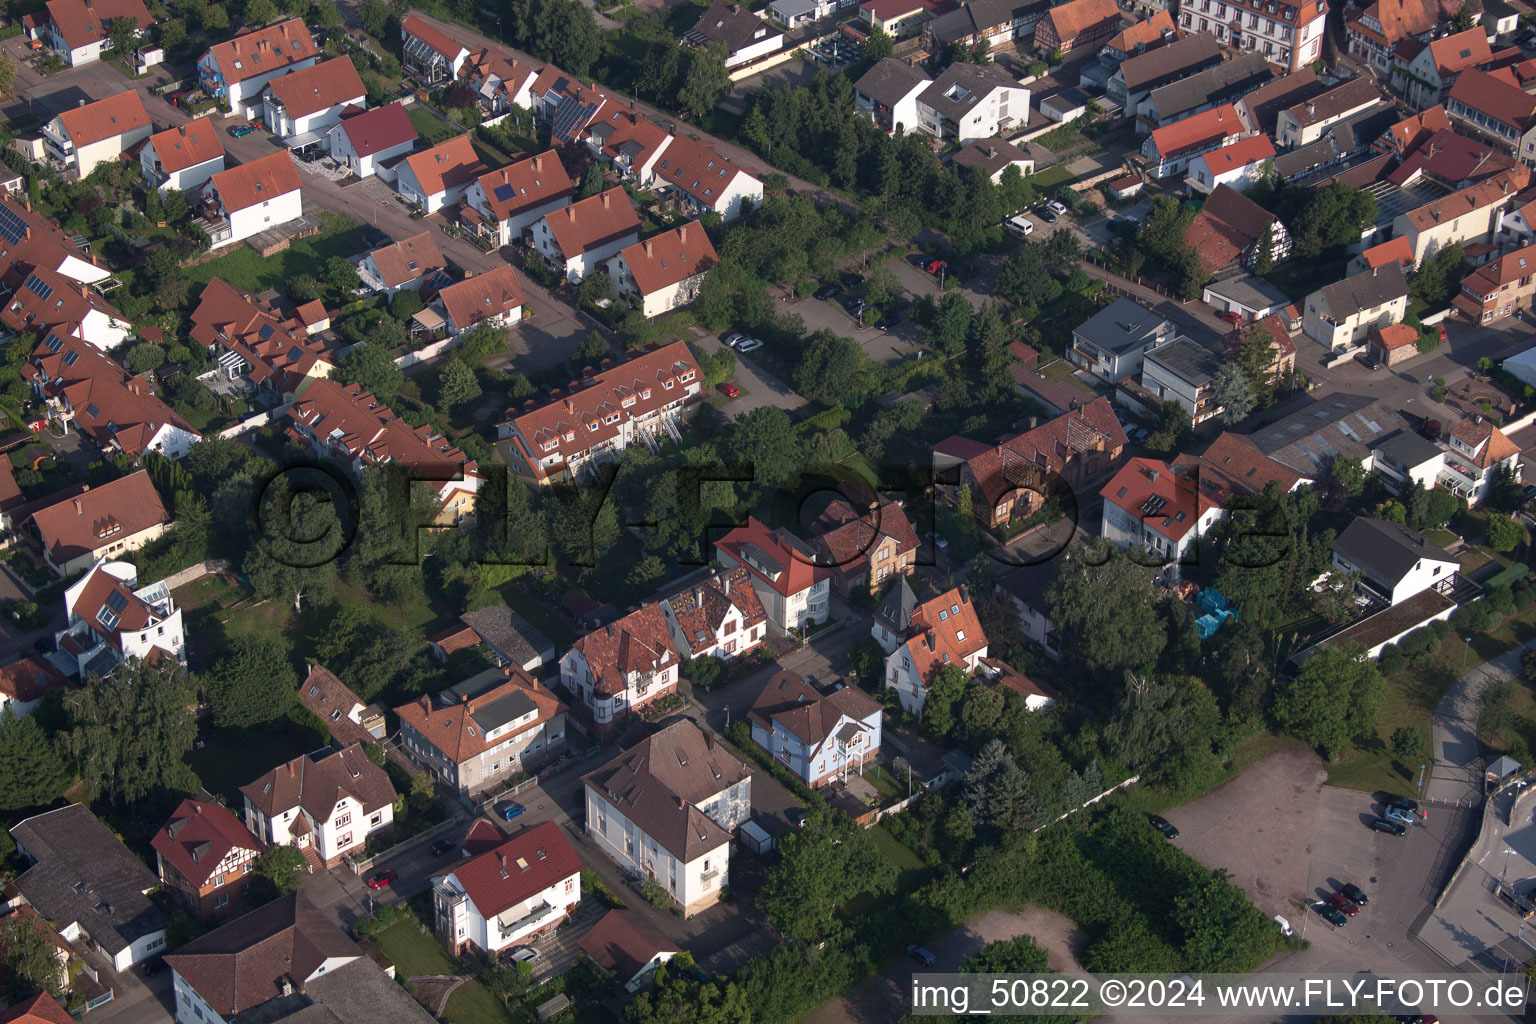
(430, 351)
(195, 572)
(485, 805)
(255, 422)
(362, 864)
(1089, 803)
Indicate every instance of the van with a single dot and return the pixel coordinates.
(1019, 225)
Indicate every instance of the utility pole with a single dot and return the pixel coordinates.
(1421, 780)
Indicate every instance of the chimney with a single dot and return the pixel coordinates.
(538, 163)
(1034, 421)
(648, 248)
(682, 804)
(1374, 270)
(709, 741)
(1153, 474)
(463, 698)
(605, 200)
(682, 233)
(965, 594)
(570, 213)
(290, 769)
(1311, 108)
(570, 406)
(78, 509)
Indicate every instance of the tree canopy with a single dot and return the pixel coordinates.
(252, 683)
(130, 733)
(821, 866)
(1105, 613)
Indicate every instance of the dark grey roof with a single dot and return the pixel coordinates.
(503, 710)
(1029, 582)
(731, 24)
(1334, 102)
(1355, 134)
(991, 155)
(1388, 551)
(1309, 439)
(1253, 292)
(895, 612)
(1265, 103)
(1366, 290)
(84, 873)
(981, 16)
(1213, 86)
(1186, 360)
(511, 634)
(889, 80)
(361, 993)
(1170, 62)
(961, 86)
(1407, 448)
(1305, 159)
(1122, 326)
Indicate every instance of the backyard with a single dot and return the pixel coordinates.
(432, 128)
(241, 266)
(414, 952)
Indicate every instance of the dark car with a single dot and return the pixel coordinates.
(1401, 803)
(852, 280)
(383, 878)
(1391, 828)
(443, 846)
(1163, 825)
(1047, 216)
(1332, 915)
(1356, 895)
(43, 645)
(154, 965)
(922, 955)
(512, 810)
(888, 321)
(1338, 901)
(828, 291)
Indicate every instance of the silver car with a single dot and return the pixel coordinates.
(749, 345)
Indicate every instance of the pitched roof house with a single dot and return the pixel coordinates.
(238, 69)
(626, 944)
(82, 137)
(665, 271)
(326, 803)
(437, 177)
(1237, 166)
(501, 81)
(508, 201)
(22, 683)
(431, 55)
(366, 141)
(407, 263)
(1492, 107)
(1376, 32)
(303, 104)
(578, 238)
(256, 341)
(111, 618)
(820, 737)
(205, 855)
(1230, 228)
(109, 520)
(494, 297)
(183, 156)
(864, 546)
(923, 636)
(1151, 508)
(1170, 148)
(1340, 314)
(46, 301)
(1476, 453)
(1498, 287)
(623, 666)
(630, 142)
(1260, 109)
(245, 200)
(509, 638)
(1077, 25)
(39, 1009)
(887, 94)
(346, 717)
(1392, 561)
(746, 37)
(567, 106)
(790, 583)
(718, 615)
(709, 182)
(522, 889)
(79, 31)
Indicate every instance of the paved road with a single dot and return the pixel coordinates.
(1456, 776)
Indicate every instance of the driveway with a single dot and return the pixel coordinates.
(758, 387)
(1456, 776)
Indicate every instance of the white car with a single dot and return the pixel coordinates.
(1055, 207)
(1019, 225)
(524, 954)
(731, 341)
(749, 345)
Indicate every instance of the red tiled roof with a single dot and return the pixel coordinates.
(944, 631)
(456, 638)
(493, 293)
(1508, 268)
(1490, 443)
(796, 566)
(593, 222)
(1394, 250)
(486, 63)
(696, 169)
(640, 132)
(845, 536)
(121, 508)
(1007, 676)
(1402, 19)
(1143, 479)
(451, 729)
(348, 419)
(260, 180)
(520, 868)
(639, 642)
(668, 258)
(10, 490)
(1047, 449)
(62, 305)
(262, 50)
(1463, 50)
(434, 37)
(317, 786)
(1253, 150)
(82, 24)
(107, 403)
(1233, 464)
(187, 145)
(319, 87)
(199, 836)
(381, 128)
(483, 835)
(1203, 129)
(1407, 135)
(526, 184)
(1143, 33)
(133, 615)
(1078, 16)
(38, 1009)
(701, 610)
(271, 345)
(26, 679)
(402, 262)
(1394, 336)
(43, 242)
(1500, 100)
(1227, 226)
(331, 699)
(447, 165)
(115, 115)
(623, 942)
(804, 711)
(1473, 197)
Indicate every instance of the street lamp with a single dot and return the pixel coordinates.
(1464, 651)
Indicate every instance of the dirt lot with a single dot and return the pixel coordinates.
(887, 997)
(1273, 807)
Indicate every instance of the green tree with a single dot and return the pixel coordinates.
(260, 12)
(1166, 729)
(122, 33)
(1333, 700)
(371, 367)
(942, 703)
(458, 385)
(1350, 474)
(1019, 955)
(277, 872)
(682, 999)
(868, 662)
(1439, 276)
(1222, 930)
(1106, 613)
(822, 866)
(834, 370)
(951, 324)
(1232, 391)
(1504, 533)
(765, 438)
(584, 525)
(252, 683)
(1264, 260)
(29, 958)
(340, 274)
(705, 81)
(129, 734)
(878, 45)
(594, 348)
(881, 289)
(405, 305)
(997, 792)
(1408, 743)
(31, 772)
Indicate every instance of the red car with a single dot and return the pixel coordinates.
(383, 878)
(935, 266)
(727, 389)
(1339, 901)
(1230, 317)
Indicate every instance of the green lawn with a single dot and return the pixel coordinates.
(243, 268)
(883, 779)
(473, 1003)
(1051, 177)
(1063, 372)
(431, 127)
(232, 758)
(415, 952)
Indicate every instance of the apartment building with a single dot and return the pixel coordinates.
(1341, 314)
(238, 70)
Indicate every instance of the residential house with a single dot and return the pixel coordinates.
(237, 71)
(790, 583)
(1111, 343)
(408, 263)
(366, 143)
(578, 238)
(1219, 86)
(251, 339)
(1169, 150)
(601, 416)
(438, 177)
(1260, 109)
(1238, 166)
(1472, 214)
(993, 157)
(1477, 453)
(1394, 250)
(88, 885)
(104, 522)
(792, 14)
(746, 37)
(285, 961)
(327, 804)
(431, 56)
(27, 238)
(82, 388)
(55, 305)
(1024, 587)
(511, 200)
(502, 82)
(820, 737)
(665, 810)
(39, 1009)
(246, 200)
(995, 23)
(1290, 36)
(1181, 371)
(505, 637)
(1305, 123)
(1077, 27)
(900, 19)
(1390, 561)
(1136, 77)
(346, 423)
(623, 666)
(921, 637)
(1341, 314)
(303, 105)
(1376, 32)
(706, 181)
(1145, 36)
(887, 94)
(1232, 229)
(625, 944)
(80, 31)
(1405, 137)
(565, 106)
(522, 890)
(714, 615)
(1274, 330)
(478, 733)
(24, 681)
(1233, 466)
(182, 157)
(204, 856)
(1496, 109)
(1452, 161)
(82, 137)
(1251, 298)
(346, 717)
(973, 101)
(111, 618)
(631, 143)
(1151, 509)
(1499, 287)
(665, 271)
(1423, 77)
(495, 297)
(864, 547)
(1407, 458)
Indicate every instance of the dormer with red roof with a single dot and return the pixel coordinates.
(630, 142)
(524, 888)
(106, 521)
(576, 239)
(793, 588)
(1152, 509)
(922, 637)
(623, 666)
(204, 854)
(502, 82)
(112, 618)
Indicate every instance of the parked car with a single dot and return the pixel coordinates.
(523, 954)
(153, 966)
(796, 816)
(1230, 317)
(386, 877)
(1056, 207)
(1393, 800)
(1140, 434)
(938, 541)
(1048, 216)
(828, 291)
(749, 345)
(1019, 226)
(1332, 915)
(732, 340)
(1355, 894)
(443, 846)
(511, 809)
(888, 321)
(1338, 901)
(1398, 814)
(727, 389)
(240, 131)
(852, 280)
(922, 955)
(1391, 828)
(1432, 429)
(1163, 825)
(937, 267)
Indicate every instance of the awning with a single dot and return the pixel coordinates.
(307, 139)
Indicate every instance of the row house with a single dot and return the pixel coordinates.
(504, 204)
(1338, 316)
(1499, 287)
(864, 547)
(1289, 35)
(1260, 109)
(1405, 137)
(561, 103)
(101, 132)
(495, 297)
(28, 237)
(431, 56)
(344, 422)
(1219, 86)
(1452, 161)
(439, 177)
(52, 304)
(1238, 166)
(1077, 26)
(1231, 230)
(409, 264)
(101, 523)
(664, 272)
(80, 31)
(182, 157)
(666, 809)
(112, 619)
(819, 737)
(478, 733)
(993, 23)
(1472, 214)
(1495, 109)
(973, 101)
(631, 144)
(792, 585)
(887, 94)
(922, 637)
(204, 856)
(371, 142)
(302, 106)
(602, 415)
(521, 890)
(247, 200)
(1147, 35)
(327, 804)
(745, 36)
(251, 339)
(1376, 32)
(501, 82)
(237, 71)
(1305, 123)
(1422, 73)
(706, 182)
(1136, 77)
(85, 391)
(1152, 510)
(623, 666)
(1169, 150)
(578, 238)
(1477, 454)
(715, 616)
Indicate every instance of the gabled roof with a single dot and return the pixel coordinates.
(844, 535)
(259, 181)
(458, 721)
(1323, 429)
(944, 630)
(108, 403)
(197, 838)
(1386, 550)
(1035, 457)
(701, 609)
(992, 156)
(1366, 290)
(26, 679)
(350, 420)
(778, 558)
(272, 345)
(116, 115)
(187, 145)
(1403, 19)
(592, 222)
(890, 80)
(1222, 83)
(622, 941)
(1334, 103)
(697, 170)
(376, 130)
(725, 22)
(1145, 33)
(330, 699)
(627, 134)
(493, 71)
(1233, 464)
(961, 86)
(433, 37)
(804, 711)
(260, 51)
(508, 632)
(1123, 326)
(316, 785)
(1407, 135)
(1079, 16)
(1207, 128)
(111, 606)
(527, 184)
(447, 165)
(1227, 226)
(669, 258)
(1252, 150)
(1166, 63)
(310, 90)
(575, 105)
(82, 24)
(1496, 273)
(39, 1009)
(493, 293)
(1393, 336)
(1460, 51)
(1488, 441)
(120, 508)
(1394, 250)
(1168, 502)
(26, 236)
(534, 859)
(640, 642)
(42, 300)
(399, 263)
(1502, 101)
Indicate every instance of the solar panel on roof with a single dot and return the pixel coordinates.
(117, 601)
(266, 331)
(12, 227)
(37, 286)
(70, 357)
(54, 342)
(503, 192)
